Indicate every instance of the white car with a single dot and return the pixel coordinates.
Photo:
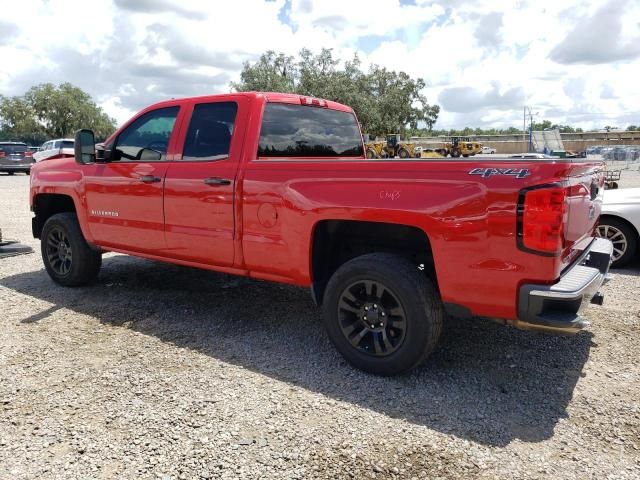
(620, 223)
(488, 150)
(530, 155)
(59, 148)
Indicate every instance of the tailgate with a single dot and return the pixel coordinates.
(584, 198)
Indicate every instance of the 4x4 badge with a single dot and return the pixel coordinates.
(487, 172)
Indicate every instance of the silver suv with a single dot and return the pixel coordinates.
(15, 157)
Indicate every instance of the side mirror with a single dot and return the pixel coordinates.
(85, 147)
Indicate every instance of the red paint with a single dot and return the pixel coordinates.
(261, 224)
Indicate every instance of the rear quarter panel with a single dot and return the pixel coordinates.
(470, 220)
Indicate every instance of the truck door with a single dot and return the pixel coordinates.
(124, 196)
(200, 183)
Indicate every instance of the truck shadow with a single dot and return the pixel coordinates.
(485, 383)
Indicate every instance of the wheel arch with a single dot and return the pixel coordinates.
(335, 242)
(45, 205)
(620, 219)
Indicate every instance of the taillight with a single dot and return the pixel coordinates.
(28, 153)
(2, 154)
(542, 214)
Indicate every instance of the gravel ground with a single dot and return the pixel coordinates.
(165, 372)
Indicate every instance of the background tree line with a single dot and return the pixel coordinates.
(385, 101)
(46, 112)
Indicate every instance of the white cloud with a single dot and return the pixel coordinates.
(481, 59)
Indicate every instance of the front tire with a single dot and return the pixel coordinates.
(383, 315)
(67, 256)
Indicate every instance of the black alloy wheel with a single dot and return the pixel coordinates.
(68, 258)
(382, 313)
(372, 318)
(58, 251)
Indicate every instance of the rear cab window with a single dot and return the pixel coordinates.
(290, 130)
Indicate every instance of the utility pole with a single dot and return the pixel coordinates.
(529, 145)
(524, 125)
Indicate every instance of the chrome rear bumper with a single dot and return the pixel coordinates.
(557, 307)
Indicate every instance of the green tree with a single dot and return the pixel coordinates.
(271, 73)
(385, 101)
(47, 111)
(632, 128)
(18, 121)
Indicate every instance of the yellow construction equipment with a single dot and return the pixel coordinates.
(394, 147)
(460, 146)
(375, 150)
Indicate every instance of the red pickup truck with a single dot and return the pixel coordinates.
(277, 187)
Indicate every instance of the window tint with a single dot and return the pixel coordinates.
(210, 131)
(301, 131)
(57, 144)
(147, 138)
(67, 144)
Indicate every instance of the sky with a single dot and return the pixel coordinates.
(571, 61)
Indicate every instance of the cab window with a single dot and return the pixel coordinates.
(210, 131)
(147, 138)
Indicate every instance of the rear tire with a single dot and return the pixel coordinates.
(67, 256)
(383, 315)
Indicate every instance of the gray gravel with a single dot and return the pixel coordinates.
(166, 372)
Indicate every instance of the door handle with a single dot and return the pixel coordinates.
(150, 179)
(217, 181)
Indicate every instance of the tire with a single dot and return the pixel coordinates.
(10, 173)
(371, 154)
(403, 153)
(407, 294)
(67, 256)
(624, 239)
(455, 153)
(465, 155)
